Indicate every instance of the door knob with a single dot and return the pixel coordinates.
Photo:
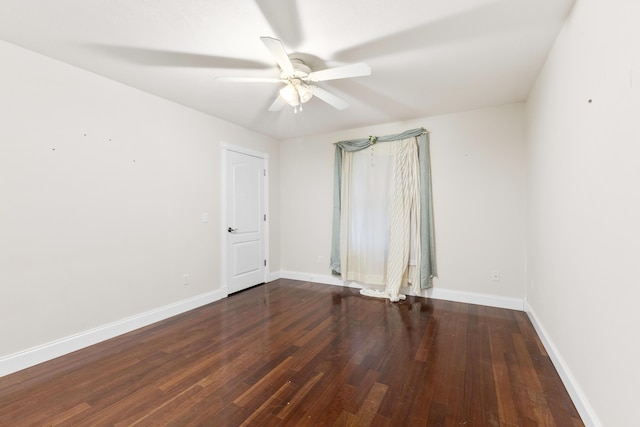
(232, 230)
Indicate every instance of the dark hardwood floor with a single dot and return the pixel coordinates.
(300, 354)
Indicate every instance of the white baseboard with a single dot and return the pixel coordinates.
(435, 293)
(33, 356)
(489, 300)
(314, 278)
(42, 353)
(578, 397)
(271, 276)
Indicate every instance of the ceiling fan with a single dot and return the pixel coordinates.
(298, 78)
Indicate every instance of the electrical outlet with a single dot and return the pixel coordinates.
(185, 279)
(320, 260)
(495, 276)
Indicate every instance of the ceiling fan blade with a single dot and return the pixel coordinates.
(470, 23)
(170, 58)
(283, 18)
(278, 104)
(346, 71)
(249, 79)
(329, 98)
(278, 51)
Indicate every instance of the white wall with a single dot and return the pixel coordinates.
(584, 205)
(478, 161)
(103, 189)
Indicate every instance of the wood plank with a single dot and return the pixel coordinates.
(293, 353)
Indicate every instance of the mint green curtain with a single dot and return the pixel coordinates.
(427, 238)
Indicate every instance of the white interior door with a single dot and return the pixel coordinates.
(245, 221)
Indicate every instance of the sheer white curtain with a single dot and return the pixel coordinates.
(380, 201)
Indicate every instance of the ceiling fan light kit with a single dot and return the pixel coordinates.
(296, 93)
(296, 75)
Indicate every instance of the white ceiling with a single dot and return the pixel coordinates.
(427, 56)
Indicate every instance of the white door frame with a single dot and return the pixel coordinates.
(224, 148)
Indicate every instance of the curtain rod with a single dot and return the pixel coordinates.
(373, 138)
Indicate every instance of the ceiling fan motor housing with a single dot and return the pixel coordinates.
(300, 70)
